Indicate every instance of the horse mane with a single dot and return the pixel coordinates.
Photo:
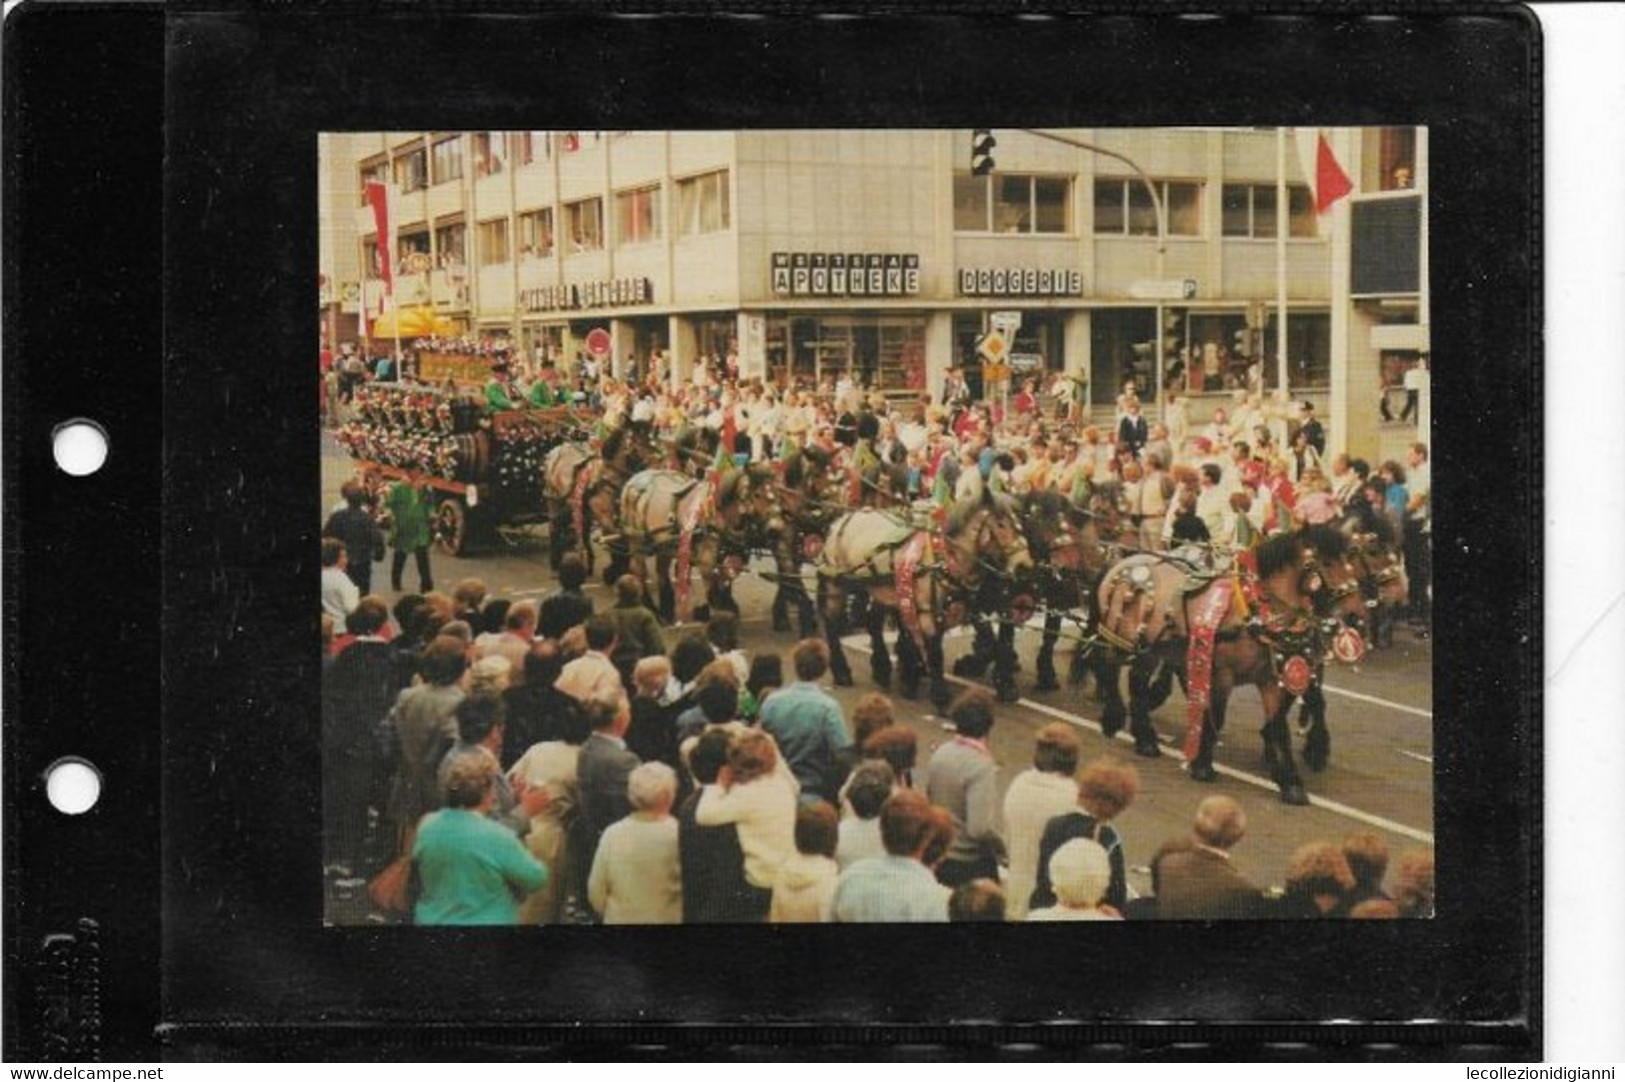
(959, 516)
(1281, 552)
(728, 486)
(1328, 541)
(614, 442)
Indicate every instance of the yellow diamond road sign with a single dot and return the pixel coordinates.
(993, 346)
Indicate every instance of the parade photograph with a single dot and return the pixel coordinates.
(875, 525)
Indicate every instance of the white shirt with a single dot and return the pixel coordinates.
(340, 596)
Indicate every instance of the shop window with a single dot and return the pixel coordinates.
(536, 234)
(1004, 203)
(493, 242)
(585, 220)
(702, 203)
(489, 151)
(448, 160)
(1125, 207)
(1308, 350)
(637, 215)
(1249, 211)
(451, 244)
(411, 169)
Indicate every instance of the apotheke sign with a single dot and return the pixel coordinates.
(1019, 282)
(845, 274)
(611, 293)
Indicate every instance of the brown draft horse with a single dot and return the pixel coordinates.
(676, 520)
(1287, 601)
(1375, 553)
(812, 494)
(1072, 546)
(928, 579)
(580, 484)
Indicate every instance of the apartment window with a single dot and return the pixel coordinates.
(412, 251)
(1124, 207)
(585, 220)
(451, 244)
(374, 267)
(1248, 210)
(521, 147)
(1396, 154)
(1006, 203)
(637, 215)
(702, 203)
(411, 168)
(536, 234)
(448, 159)
(373, 171)
(489, 150)
(493, 238)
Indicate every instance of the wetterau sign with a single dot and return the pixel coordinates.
(845, 274)
(1019, 282)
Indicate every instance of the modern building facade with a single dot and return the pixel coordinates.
(1157, 254)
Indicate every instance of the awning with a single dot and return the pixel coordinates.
(414, 323)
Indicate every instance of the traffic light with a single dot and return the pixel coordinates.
(981, 152)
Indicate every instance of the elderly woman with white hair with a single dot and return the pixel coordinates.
(636, 878)
(1080, 871)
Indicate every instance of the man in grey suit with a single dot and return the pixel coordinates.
(601, 776)
(1195, 879)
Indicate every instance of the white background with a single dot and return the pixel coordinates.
(1584, 383)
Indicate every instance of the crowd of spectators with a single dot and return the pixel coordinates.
(545, 762)
(527, 778)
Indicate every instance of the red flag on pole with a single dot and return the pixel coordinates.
(378, 198)
(1321, 168)
(1331, 183)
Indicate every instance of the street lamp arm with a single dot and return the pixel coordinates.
(1150, 185)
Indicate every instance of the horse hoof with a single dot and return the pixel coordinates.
(1006, 695)
(909, 691)
(781, 625)
(1294, 794)
(969, 666)
(1047, 684)
(1201, 772)
(1148, 749)
(843, 679)
(882, 680)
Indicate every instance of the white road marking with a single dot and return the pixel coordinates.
(1401, 707)
(1416, 755)
(1332, 806)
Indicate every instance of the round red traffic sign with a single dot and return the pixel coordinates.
(598, 342)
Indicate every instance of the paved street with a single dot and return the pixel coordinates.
(1380, 715)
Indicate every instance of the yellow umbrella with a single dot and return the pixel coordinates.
(413, 322)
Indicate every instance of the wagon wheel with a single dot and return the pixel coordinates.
(451, 525)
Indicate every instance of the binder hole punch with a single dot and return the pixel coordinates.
(80, 447)
(72, 786)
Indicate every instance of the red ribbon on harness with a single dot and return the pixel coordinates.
(904, 568)
(578, 498)
(685, 547)
(1210, 610)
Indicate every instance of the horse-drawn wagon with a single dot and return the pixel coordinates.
(484, 469)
